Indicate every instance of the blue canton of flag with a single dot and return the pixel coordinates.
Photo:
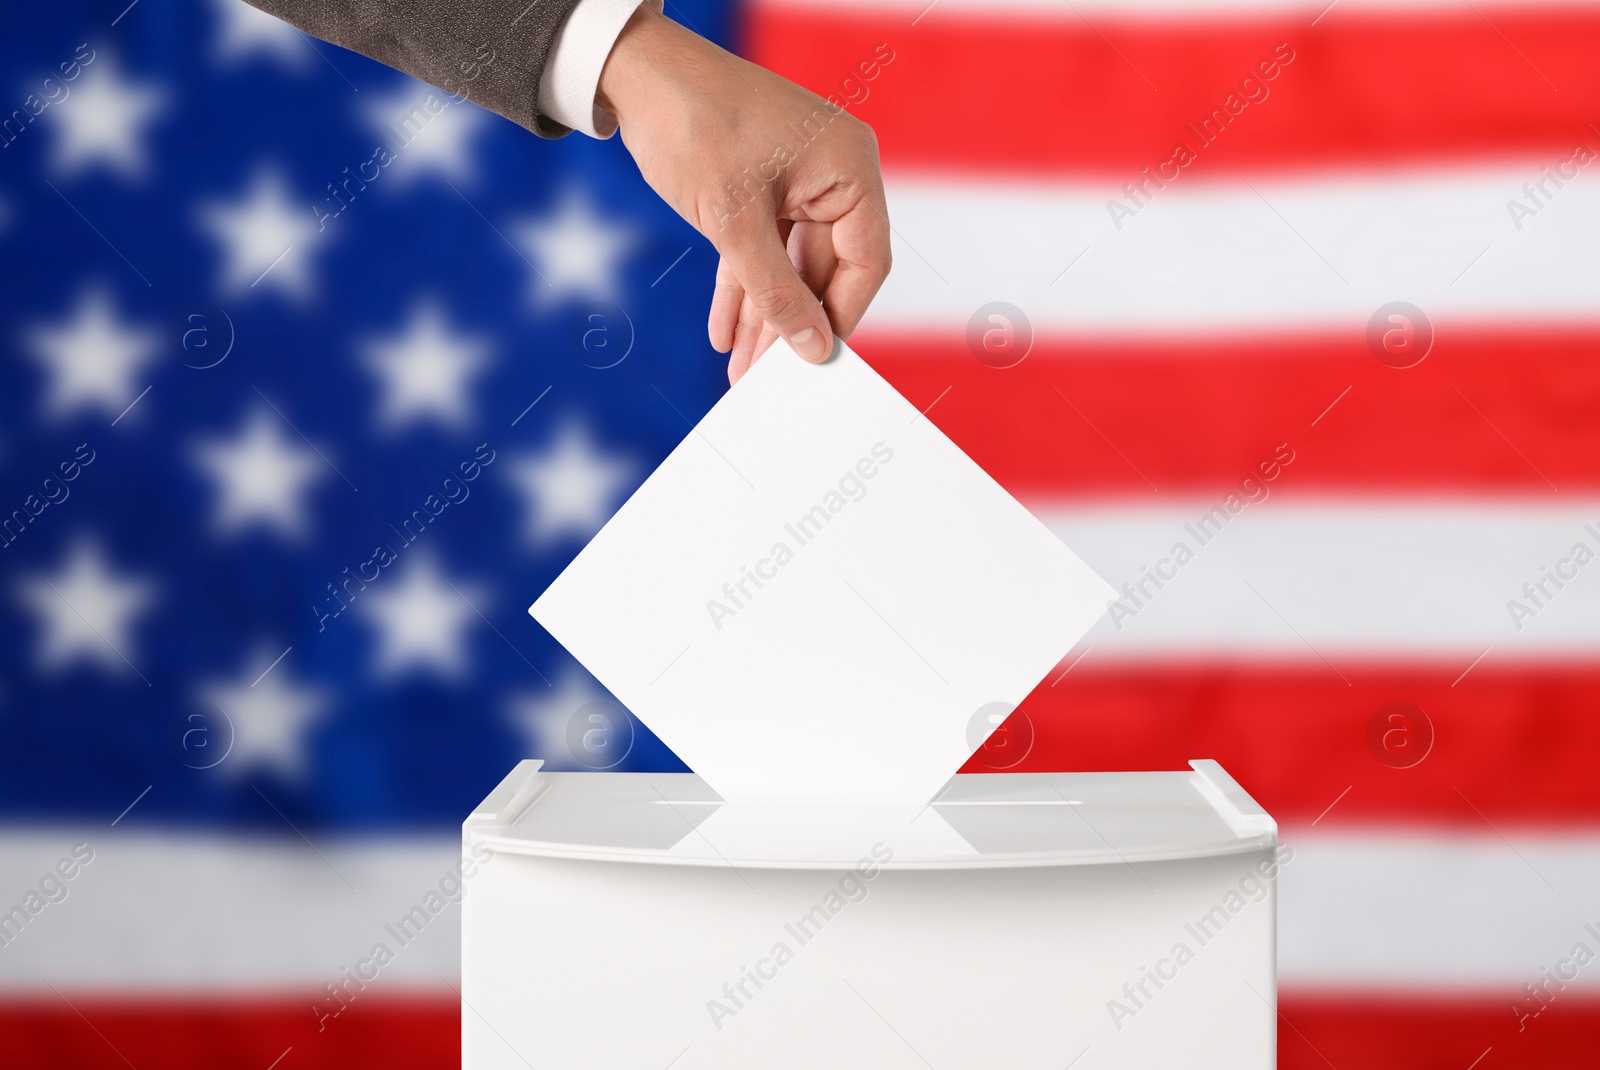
(317, 375)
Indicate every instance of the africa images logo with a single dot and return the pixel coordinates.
(851, 487)
(1253, 89)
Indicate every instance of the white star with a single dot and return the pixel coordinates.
(92, 357)
(571, 489)
(86, 611)
(427, 129)
(544, 717)
(425, 370)
(421, 619)
(268, 714)
(244, 31)
(102, 121)
(261, 476)
(576, 251)
(266, 238)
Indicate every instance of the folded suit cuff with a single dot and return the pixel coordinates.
(577, 55)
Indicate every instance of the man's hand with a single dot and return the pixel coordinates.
(784, 184)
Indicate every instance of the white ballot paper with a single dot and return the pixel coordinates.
(816, 594)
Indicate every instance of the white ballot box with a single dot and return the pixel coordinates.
(631, 921)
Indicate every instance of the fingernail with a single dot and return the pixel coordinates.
(809, 344)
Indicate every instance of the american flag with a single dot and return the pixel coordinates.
(1283, 315)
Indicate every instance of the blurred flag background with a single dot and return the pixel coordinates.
(1284, 316)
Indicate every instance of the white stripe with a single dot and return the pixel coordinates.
(175, 912)
(1340, 579)
(209, 915)
(1058, 11)
(1437, 912)
(1218, 255)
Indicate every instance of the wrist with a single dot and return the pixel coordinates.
(625, 78)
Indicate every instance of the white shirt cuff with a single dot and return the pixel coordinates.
(578, 54)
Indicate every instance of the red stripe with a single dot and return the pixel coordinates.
(1315, 1030)
(1412, 1031)
(1012, 93)
(1517, 743)
(204, 1033)
(1198, 416)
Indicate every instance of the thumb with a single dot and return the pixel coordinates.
(756, 253)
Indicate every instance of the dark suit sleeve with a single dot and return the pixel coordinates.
(491, 50)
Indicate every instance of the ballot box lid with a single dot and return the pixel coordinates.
(978, 820)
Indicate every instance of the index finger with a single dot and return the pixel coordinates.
(861, 244)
